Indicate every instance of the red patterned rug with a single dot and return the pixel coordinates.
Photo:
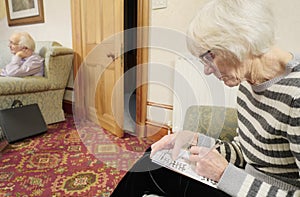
(67, 161)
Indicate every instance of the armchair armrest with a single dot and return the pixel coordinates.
(58, 50)
(58, 63)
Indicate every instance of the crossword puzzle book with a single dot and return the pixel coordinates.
(181, 165)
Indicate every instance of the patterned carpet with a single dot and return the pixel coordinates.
(67, 161)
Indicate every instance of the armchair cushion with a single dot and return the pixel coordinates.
(215, 121)
(18, 85)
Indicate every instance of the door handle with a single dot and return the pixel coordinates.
(112, 56)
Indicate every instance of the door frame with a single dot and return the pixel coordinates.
(143, 13)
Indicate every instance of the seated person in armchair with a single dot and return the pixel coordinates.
(24, 61)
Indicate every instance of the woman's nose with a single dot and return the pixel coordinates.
(208, 70)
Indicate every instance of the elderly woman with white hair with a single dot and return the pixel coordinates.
(24, 61)
(234, 39)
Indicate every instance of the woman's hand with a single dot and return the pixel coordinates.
(208, 162)
(24, 52)
(166, 142)
(175, 141)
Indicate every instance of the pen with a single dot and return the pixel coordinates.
(217, 144)
(185, 152)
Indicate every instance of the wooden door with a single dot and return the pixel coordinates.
(97, 37)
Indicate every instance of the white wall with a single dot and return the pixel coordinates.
(287, 16)
(176, 16)
(167, 45)
(57, 27)
(57, 24)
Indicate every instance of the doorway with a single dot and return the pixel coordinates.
(93, 21)
(130, 62)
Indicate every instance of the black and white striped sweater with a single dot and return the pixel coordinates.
(268, 145)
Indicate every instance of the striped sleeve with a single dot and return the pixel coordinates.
(237, 182)
(231, 151)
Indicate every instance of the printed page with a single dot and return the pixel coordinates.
(181, 165)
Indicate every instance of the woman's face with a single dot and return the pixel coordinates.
(230, 74)
(14, 44)
(224, 69)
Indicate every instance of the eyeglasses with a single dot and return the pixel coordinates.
(207, 59)
(13, 43)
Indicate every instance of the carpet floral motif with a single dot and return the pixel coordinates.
(65, 162)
